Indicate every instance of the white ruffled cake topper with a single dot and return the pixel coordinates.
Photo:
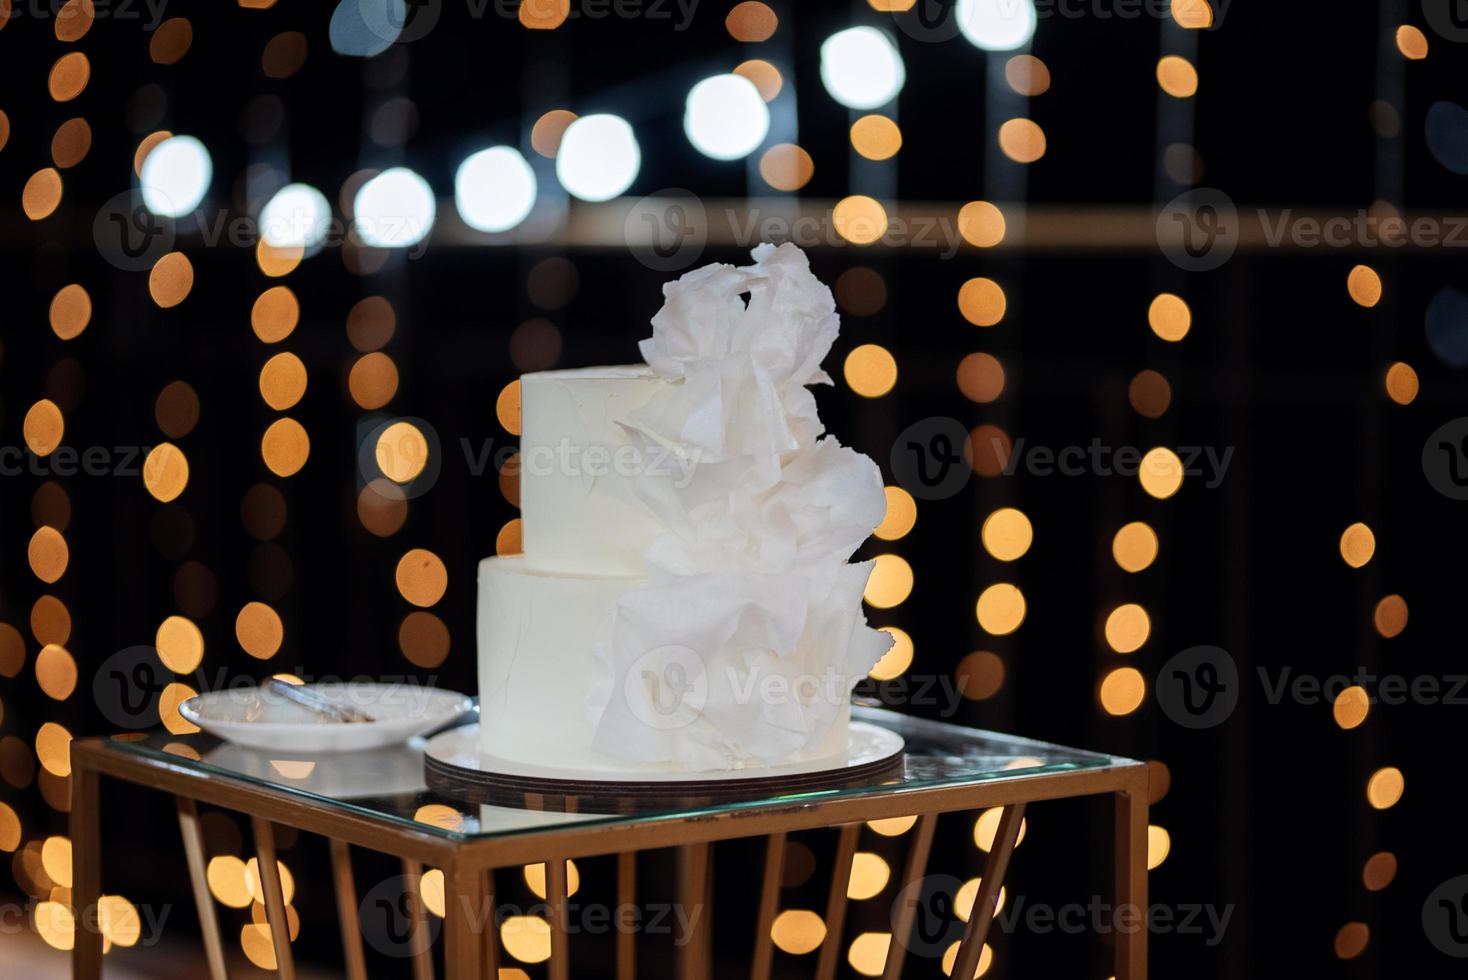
(745, 644)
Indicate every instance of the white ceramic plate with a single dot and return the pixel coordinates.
(259, 720)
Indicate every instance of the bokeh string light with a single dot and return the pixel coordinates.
(1359, 546)
(1002, 33)
(43, 863)
(1126, 628)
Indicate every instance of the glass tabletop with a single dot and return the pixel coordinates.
(391, 784)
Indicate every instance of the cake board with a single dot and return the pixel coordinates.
(457, 767)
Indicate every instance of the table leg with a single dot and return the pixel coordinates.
(982, 916)
(1131, 884)
(275, 913)
(769, 901)
(556, 893)
(836, 903)
(347, 911)
(468, 916)
(86, 884)
(489, 949)
(193, 841)
(902, 922)
(626, 903)
(417, 921)
(693, 894)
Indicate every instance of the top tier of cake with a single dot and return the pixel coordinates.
(580, 511)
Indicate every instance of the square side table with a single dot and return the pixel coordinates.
(380, 801)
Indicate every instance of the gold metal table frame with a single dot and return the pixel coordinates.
(949, 769)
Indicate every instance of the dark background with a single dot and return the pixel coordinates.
(1267, 813)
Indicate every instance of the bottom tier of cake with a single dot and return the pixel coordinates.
(537, 634)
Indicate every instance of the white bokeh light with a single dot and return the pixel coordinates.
(725, 117)
(494, 189)
(395, 209)
(862, 68)
(366, 28)
(298, 216)
(997, 25)
(599, 157)
(175, 176)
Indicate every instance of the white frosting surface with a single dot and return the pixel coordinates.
(536, 632)
(685, 600)
(578, 501)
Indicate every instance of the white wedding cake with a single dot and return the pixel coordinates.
(685, 599)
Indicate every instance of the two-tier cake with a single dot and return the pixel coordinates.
(685, 600)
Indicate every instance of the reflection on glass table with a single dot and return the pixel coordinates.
(390, 783)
